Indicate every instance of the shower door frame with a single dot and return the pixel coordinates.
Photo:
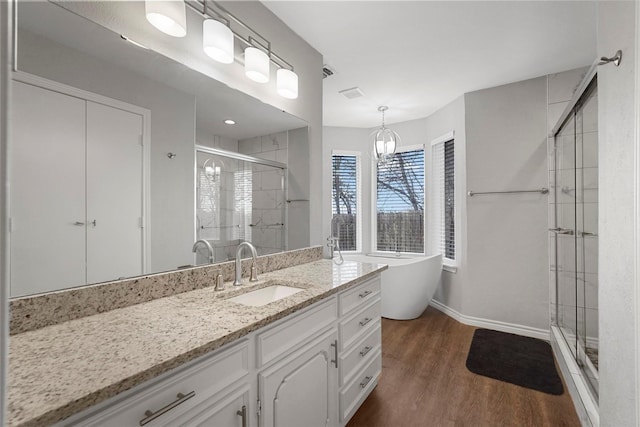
(249, 159)
(576, 101)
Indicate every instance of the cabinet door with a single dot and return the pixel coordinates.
(301, 390)
(114, 193)
(47, 190)
(226, 412)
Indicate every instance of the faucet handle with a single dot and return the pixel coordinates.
(254, 274)
(219, 283)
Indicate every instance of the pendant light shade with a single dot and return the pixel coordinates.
(287, 83)
(217, 41)
(169, 16)
(385, 140)
(256, 65)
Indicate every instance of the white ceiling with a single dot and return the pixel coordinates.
(417, 56)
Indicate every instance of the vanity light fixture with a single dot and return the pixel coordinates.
(287, 83)
(257, 65)
(385, 140)
(217, 41)
(168, 16)
(218, 38)
(229, 122)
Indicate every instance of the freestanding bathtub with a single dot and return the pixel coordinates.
(408, 285)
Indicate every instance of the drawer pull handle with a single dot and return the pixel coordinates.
(335, 352)
(366, 381)
(364, 294)
(150, 415)
(365, 321)
(366, 350)
(243, 414)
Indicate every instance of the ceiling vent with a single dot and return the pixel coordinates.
(351, 93)
(327, 71)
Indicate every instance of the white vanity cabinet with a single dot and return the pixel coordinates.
(312, 368)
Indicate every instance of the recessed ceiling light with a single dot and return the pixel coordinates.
(229, 122)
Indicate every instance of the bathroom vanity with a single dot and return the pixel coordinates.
(197, 358)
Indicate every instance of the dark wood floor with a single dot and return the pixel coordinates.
(425, 382)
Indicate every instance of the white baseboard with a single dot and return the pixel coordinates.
(496, 325)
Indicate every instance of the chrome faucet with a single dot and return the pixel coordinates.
(334, 243)
(254, 270)
(209, 248)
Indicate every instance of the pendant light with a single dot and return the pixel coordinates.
(217, 41)
(287, 83)
(256, 64)
(385, 140)
(168, 16)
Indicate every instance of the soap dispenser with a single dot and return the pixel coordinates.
(219, 283)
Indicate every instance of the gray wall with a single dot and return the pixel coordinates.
(172, 130)
(507, 234)
(618, 221)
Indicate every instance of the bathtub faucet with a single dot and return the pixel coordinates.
(334, 244)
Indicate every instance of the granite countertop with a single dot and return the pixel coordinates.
(59, 370)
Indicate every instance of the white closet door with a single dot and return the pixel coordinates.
(47, 190)
(114, 193)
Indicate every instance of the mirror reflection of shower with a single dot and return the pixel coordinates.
(238, 198)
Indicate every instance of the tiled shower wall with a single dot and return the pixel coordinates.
(268, 192)
(561, 87)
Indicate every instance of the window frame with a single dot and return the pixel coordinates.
(374, 203)
(449, 264)
(358, 156)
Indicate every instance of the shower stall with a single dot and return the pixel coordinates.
(574, 180)
(238, 198)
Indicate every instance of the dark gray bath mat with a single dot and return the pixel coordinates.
(523, 361)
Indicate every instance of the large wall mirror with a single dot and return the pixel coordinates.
(121, 159)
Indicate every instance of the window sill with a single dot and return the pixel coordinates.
(450, 268)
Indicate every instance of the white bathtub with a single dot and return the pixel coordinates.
(408, 285)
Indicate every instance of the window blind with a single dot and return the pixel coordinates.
(345, 196)
(242, 204)
(400, 203)
(442, 229)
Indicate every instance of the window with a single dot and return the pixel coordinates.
(400, 203)
(345, 205)
(442, 230)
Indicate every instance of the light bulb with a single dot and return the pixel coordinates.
(217, 41)
(287, 83)
(168, 16)
(256, 65)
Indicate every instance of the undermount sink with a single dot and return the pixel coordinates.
(265, 296)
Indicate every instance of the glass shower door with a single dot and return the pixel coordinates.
(576, 233)
(238, 199)
(587, 234)
(564, 232)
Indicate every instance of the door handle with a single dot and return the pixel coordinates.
(78, 223)
(243, 414)
(560, 230)
(334, 344)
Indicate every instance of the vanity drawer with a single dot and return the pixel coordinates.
(196, 384)
(354, 393)
(296, 330)
(359, 354)
(353, 328)
(352, 299)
